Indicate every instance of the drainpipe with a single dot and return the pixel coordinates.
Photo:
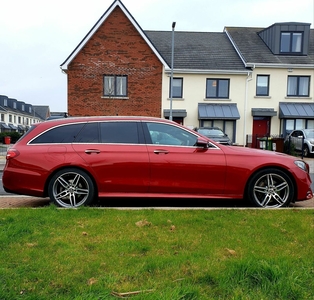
(248, 78)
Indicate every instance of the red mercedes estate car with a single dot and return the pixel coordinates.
(75, 160)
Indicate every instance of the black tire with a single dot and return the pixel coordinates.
(71, 188)
(306, 151)
(270, 188)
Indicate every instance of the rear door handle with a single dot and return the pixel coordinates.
(160, 151)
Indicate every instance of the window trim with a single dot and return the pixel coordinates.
(298, 77)
(115, 94)
(181, 89)
(290, 51)
(217, 88)
(268, 82)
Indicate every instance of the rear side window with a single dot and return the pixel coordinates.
(119, 132)
(89, 134)
(62, 134)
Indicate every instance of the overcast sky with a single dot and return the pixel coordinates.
(37, 36)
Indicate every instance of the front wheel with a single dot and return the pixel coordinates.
(270, 188)
(306, 151)
(71, 188)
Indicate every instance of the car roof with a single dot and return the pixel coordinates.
(70, 120)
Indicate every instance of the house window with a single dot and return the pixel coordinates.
(298, 86)
(291, 42)
(262, 85)
(217, 88)
(115, 86)
(2, 117)
(177, 84)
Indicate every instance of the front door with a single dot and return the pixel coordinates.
(261, 127)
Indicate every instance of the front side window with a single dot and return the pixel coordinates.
(115, 86)
(164, 134)
(298, 86)
(262, 85)
(291, 42)
(177, 87)
(217, 88)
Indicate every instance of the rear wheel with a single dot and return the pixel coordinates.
(71, 188)
(270, 188)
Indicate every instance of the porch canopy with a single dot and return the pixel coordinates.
(228, 111)
(4, 126)
(263, 112)
(288, 110)
(177, 113)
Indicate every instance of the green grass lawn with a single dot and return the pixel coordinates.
(93, 253)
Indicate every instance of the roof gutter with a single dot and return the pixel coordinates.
(280, 66)
(199, 71)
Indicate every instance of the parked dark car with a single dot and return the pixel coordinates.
(216, 134)
(75, 160)
(302, 139)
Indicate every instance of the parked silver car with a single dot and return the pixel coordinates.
(303, 137)
(216, 134)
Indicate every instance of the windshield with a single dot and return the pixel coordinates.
(309, 133)
(211, 132)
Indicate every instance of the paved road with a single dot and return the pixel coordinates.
(22, 201)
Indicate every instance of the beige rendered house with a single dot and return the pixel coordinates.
(250, 82)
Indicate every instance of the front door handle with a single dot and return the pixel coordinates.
(91, 151)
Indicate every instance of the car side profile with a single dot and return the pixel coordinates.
(75, 160)
(303, 140)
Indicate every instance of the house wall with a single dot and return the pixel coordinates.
(242, 92)
(116, 48)
(277, 93)
(194, 92)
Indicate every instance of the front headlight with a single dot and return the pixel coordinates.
(302, 165)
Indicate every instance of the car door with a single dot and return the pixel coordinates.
(178, 166)
(116, 155)
(296, 139)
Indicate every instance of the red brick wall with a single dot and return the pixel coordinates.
(116, 48)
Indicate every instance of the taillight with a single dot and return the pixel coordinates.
(12, 153)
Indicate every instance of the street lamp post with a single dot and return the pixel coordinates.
(171, 77)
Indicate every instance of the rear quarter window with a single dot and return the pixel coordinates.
(61, 134)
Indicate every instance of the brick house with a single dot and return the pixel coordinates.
(114, 70)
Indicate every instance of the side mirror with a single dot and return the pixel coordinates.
(202, 143)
